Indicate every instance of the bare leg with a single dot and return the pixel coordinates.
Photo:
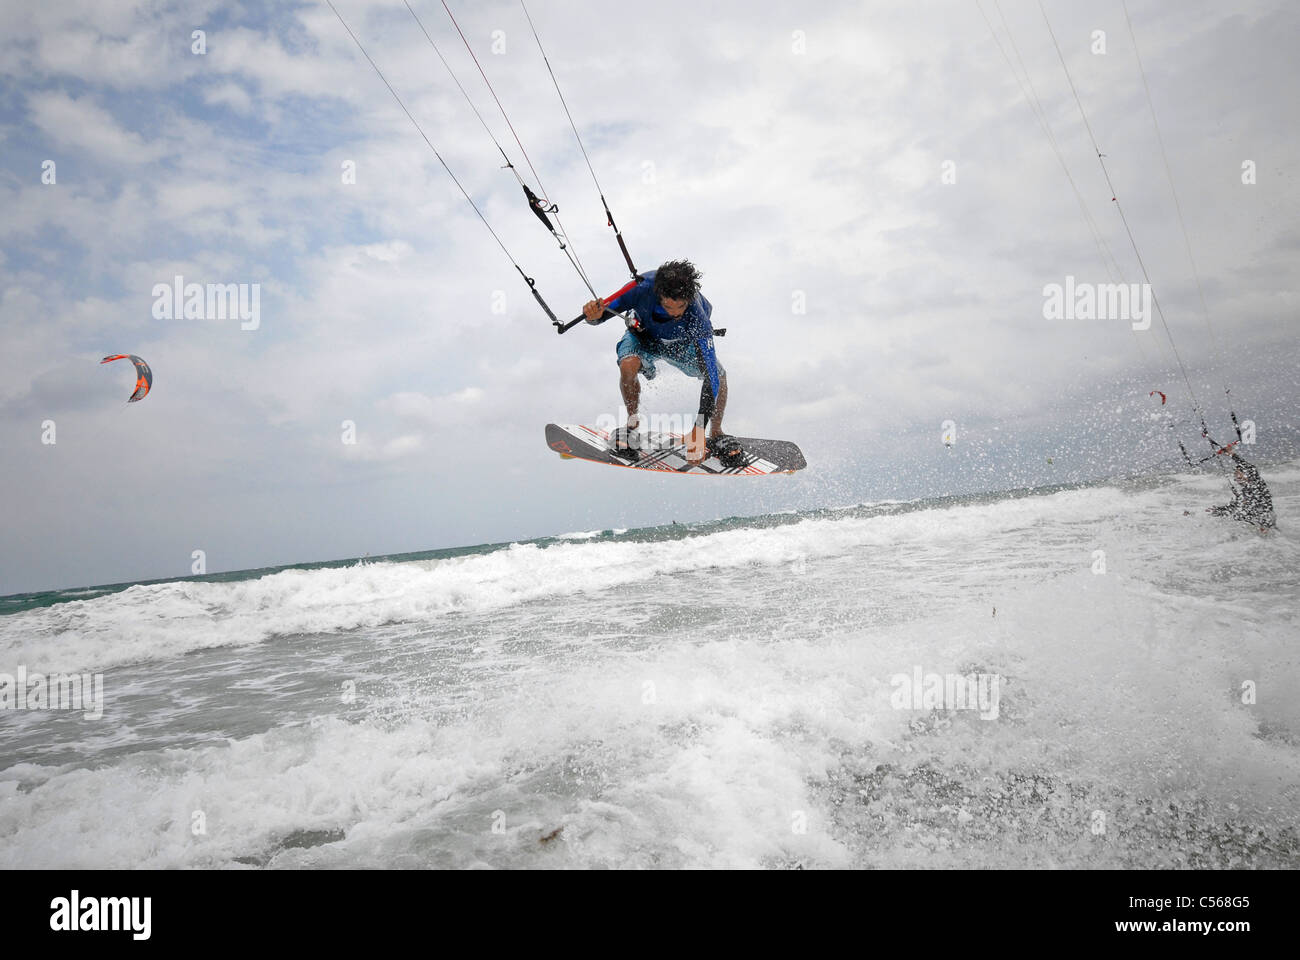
(628, 368)
(719, 407)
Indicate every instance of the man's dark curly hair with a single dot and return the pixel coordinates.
(678, 280)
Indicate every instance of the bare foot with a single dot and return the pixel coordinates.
(697, 447)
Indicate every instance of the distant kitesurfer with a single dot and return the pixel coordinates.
(1250, 497)
(670, 320)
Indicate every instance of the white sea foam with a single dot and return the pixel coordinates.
(732, 707)
(170, 619)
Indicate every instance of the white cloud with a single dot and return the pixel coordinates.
(230, 95)
(79, 124)
(775, 172)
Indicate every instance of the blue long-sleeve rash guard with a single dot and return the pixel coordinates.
(693, 326)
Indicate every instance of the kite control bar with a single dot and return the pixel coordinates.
(563, 327)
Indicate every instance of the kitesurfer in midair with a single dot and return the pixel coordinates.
(1250, 497)
(670, 320)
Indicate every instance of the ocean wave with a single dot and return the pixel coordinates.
(149, 621)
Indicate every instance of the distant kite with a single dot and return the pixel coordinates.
(144, 376)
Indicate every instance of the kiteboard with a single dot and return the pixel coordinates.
(666, 452)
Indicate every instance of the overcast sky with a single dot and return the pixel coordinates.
(796, 152)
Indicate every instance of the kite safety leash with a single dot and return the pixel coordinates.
(618, 234)
(539, 201)
(532, 285)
